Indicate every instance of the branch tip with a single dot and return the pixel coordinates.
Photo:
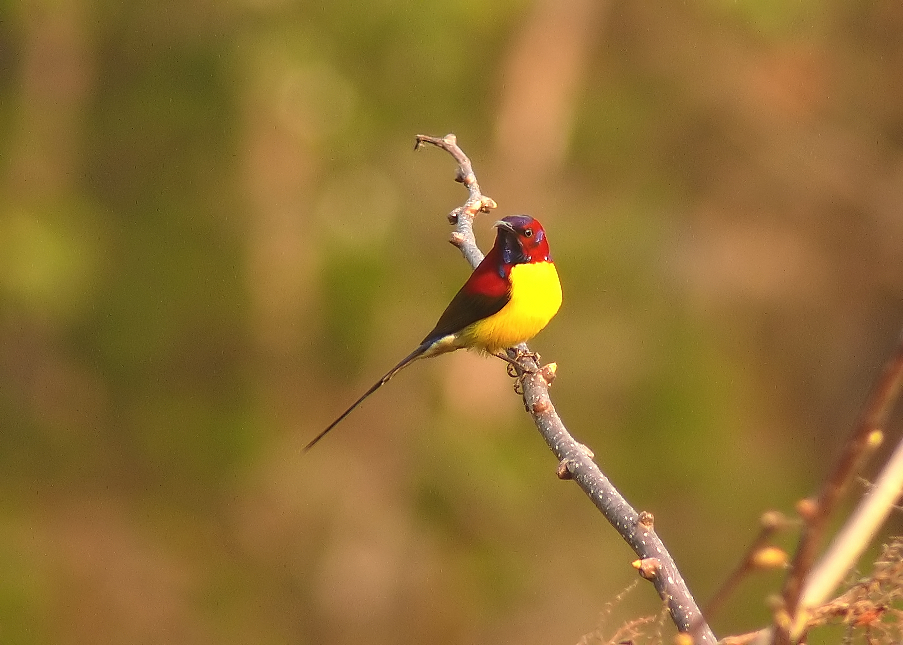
(548, 372)
(541, 406)
(772, 520)
(875, 439)
(564, 469)
(782, 618)
(769, 557)
(807, 508)
(648, 568)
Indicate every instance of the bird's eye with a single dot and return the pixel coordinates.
(528, 232)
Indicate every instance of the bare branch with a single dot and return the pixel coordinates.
(575, 461)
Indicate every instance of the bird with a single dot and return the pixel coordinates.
(508, 299)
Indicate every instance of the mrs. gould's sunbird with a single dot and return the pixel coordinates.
(507, 300)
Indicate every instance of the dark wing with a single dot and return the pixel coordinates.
(465, 309)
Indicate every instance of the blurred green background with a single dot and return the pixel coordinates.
(214, 235)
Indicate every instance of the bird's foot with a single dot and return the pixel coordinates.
(531, 355)
(516, 369)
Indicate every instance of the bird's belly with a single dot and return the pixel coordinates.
(535, 299)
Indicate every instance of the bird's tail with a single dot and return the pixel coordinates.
(407, 360)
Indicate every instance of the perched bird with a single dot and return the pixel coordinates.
(507, 300)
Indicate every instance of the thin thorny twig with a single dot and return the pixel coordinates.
(816, 512)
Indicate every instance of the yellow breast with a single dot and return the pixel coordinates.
(535, 299)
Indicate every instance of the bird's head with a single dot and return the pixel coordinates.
(522, 240)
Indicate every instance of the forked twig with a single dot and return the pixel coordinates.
(575, 460)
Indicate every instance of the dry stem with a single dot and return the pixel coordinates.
(873, 418)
